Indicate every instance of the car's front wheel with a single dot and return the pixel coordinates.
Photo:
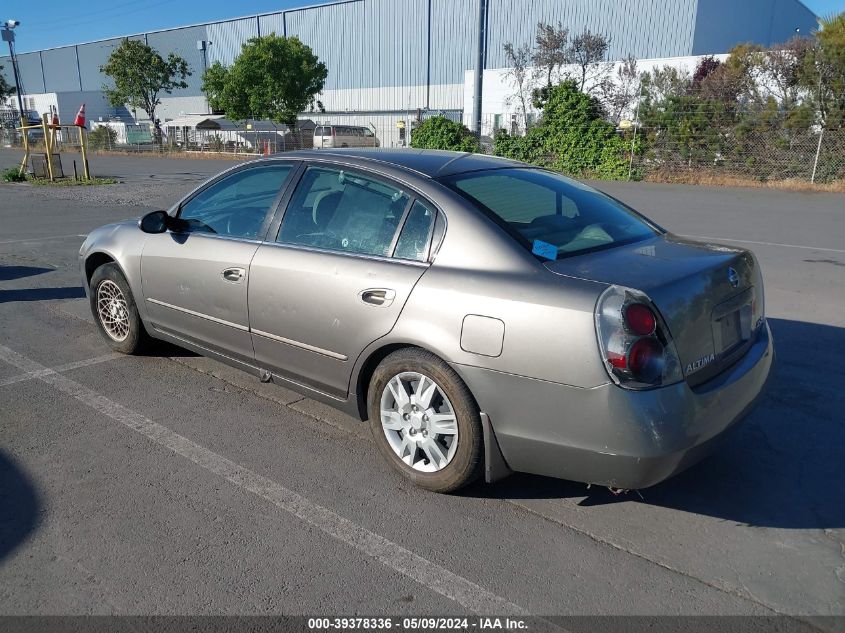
(115, 312)
(425, 420)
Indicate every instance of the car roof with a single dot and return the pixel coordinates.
(427, 162)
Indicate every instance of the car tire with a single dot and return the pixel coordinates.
(118, 321)
(463, 463)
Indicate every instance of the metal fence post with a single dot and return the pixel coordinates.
(818, 152)
(634, 139)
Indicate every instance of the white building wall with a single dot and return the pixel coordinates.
(500, 89)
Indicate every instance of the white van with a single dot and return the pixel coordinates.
(344, 136)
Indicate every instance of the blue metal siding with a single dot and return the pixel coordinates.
(396, 52)
(454, 29)
(272, 23)
(721, 24)
(94, 55)
(336, 34)
(29, 67)
(183, 42)
(6, 70)
(229, 37)
(60, 69)
(643, 28)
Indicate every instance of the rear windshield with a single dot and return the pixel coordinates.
(323, 131)
(552, 216)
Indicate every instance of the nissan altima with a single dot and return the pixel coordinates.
(484, 316)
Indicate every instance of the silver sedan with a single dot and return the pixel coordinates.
(485, 316)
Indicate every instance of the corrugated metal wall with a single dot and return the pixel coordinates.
(91, 57)
(391, 55)
(763, 22)
(228, 37)
(643, 28)
(29, 67)
(60, 69)
(183, 42)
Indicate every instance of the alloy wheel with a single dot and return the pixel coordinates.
(419, 422)
(112, 310)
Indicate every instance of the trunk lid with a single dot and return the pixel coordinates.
(709, 295)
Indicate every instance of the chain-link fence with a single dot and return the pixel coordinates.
(672, 153)
(765, 155)
(741, 153)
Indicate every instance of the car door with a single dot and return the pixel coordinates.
(350, 249)
(195, 280)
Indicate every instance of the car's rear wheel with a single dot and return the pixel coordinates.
(425, 420)
(115, 312)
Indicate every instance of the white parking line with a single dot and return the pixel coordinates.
(31, 375)
(727, 239)
(429, 574)
(42, 239)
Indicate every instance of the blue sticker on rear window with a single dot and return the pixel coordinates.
(544, 249)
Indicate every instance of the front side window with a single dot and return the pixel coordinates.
(338, 210)
(236, 205)
(552, 216)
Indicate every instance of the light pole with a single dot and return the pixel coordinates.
(202, 46)
(8, 34)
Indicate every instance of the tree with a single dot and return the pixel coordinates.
(213, 84)
(141, 75)
(5, 89)
(587, 52)
(572, 137)
(705, 67)
(273, 78)
(438, 132)
(618, 94)
(824, 71)
(550, 53)
(518, 69)
(661, 83)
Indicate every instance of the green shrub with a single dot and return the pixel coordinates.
(12, 175)
(440, 133)
(102, 137)
(572, 137)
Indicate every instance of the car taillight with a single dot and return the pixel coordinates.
(635, 344)
(640, 319)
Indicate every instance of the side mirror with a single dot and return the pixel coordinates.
(155, 222)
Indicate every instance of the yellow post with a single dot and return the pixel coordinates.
(45, 125)
(25, 160)
(83, 144)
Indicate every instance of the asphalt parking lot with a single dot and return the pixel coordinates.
(171, 484)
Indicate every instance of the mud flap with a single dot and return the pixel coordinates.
(495, 466)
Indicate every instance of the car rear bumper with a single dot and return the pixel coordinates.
(612, 436)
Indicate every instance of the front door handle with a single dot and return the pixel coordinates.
(235, 275)
(381, 297)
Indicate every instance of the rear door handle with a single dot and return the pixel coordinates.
(235, 275)
(381, 297)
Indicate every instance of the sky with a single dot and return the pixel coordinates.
(75, 21)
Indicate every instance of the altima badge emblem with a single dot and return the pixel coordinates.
(701, 363)
(733, 277)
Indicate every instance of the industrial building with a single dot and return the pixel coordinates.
(389, 57)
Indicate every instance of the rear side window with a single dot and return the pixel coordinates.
(416, 233)
(342, 211)
(550, 215)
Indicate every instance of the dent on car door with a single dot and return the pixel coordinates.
(350, 249)
(195, 280)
